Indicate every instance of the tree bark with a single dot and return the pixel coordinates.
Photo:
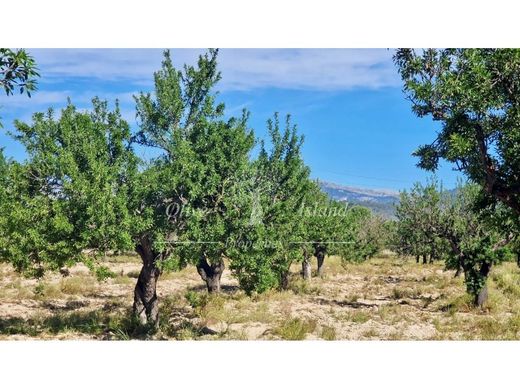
(146, 306)
(425, 258)
(518, 258)
(482, 296)
(458, 272)
(211, 274)
(284, 280)
(417, 259)
(306, 266)
(320, 256)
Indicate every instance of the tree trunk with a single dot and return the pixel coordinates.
(284, 280)
(320, 256)
(146, 306)
(518, 258)
(306, 267)
(458, 272)
(482, 296)
(425, 258)
(417, 259)
(211, 274)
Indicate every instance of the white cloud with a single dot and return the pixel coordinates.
(242, 69)
(45, 98)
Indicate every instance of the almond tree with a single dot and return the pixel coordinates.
(71, 193)
(326, 228)
(274, 237)
(475, 95)
(18, 71)
(475, 239)
(418, 219)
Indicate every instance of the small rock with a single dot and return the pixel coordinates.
(215, 328)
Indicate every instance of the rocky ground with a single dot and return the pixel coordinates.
(382, 299)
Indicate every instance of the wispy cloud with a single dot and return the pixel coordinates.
(45, 98)
(242, 69)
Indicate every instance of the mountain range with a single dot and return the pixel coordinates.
(380, 201)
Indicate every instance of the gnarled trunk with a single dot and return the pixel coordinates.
(211, 274)
(320, 256)
(146, 306)
(306, 266)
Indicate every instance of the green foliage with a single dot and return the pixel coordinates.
(192, 191)
(295, 329)
(17, 71)
(475, 242)
(71, 193)
(279, 184)
(325, 223)
(474, 94)
(456, 225)
(366, 232)
(419, 220)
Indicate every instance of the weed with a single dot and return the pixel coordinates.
(328, 333)
(295, 329)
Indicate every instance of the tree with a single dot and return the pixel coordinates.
(219, 161)
(275, 234)
(17, 71)
(363, 235)
(325, 224)
(475, 95)
(476, 244)
(71, 193)
(200, 156)
(418, 214)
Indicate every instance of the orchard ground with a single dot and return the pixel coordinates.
(385, 298)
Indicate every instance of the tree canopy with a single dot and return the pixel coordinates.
(475, 95)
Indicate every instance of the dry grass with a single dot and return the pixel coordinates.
(385, 298)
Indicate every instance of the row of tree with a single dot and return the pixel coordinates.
(459, 227)
(475, 95)
(208, 195)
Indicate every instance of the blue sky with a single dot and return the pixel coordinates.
(359, 130)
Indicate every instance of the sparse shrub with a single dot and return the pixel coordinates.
(359, 317)
(194, 298)
(328, 333)
(295, 329)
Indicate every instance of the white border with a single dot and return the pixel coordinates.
(255, 23)
(259, 365)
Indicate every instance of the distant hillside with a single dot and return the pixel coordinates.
(380, 201)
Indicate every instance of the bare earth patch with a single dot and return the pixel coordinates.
(382, 299)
